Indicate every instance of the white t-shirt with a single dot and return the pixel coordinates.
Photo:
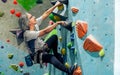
(30, 35)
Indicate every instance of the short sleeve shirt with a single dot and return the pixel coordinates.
(30, 35)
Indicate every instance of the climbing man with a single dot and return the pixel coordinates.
(37, 48)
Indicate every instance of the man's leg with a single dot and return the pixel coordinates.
(52, 43)
(49, 58)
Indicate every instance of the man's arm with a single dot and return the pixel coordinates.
(48, 29)
(48, 12)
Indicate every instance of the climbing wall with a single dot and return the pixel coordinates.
(11, 52)
(99, 15)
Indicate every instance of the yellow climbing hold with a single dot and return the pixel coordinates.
(57, 18)
(1, 14)
(14, 67)
(60, 38)
(101, 53)
(67, 65)
(10, 56)
(63, 51)
(61, 7)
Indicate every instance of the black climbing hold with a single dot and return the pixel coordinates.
(39, 1)
(26, 73)
(4, 1)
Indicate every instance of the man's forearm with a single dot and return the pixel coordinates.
(48, 12)
(51, 27)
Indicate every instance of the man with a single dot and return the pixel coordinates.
(39, 49)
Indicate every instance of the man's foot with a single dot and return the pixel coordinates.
(77, 71)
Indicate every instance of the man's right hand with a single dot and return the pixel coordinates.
(58, 3)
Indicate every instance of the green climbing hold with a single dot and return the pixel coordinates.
(1, 73)
(73, 24)
(51, 16)
(14, 67)
(1, 14)
(27, 4)
(75, 52)
(69, 45)
(10, 56)
(101, 53)
(46, 74)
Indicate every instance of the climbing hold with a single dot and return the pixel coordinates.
(75, 52)
(18, 14)
(10, 56)
(72, 37)
(67, 25)
(21, 64)
(1, 73)
(56, 17)
(15, 2)
(46, 74)
(7, 40)
(67, 65)
(21, 70)
(60, 38)
(101, 53)
(39, 1)
(72, 48)
(2, 47)
(77, 71)
(27, 73)
(69, 45)
(19, 35)
(60, 7)
(62, 1)
(4, 1)
(74, 10)
(63, 51)
(14, 67)
(1, 14)
(51, 22)
(12, 11)
(81, 28)
(91, 44)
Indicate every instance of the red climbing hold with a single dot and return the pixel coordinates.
(8, 40)
(12, 11)
(15, 2)
(18, 14)
(21, 64)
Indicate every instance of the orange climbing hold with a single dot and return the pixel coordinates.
(74, 9)
(81, 28)
(91, 44)
(77, 71)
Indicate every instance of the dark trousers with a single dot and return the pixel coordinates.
(54, 59)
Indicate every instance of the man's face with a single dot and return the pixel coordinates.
(32, 20)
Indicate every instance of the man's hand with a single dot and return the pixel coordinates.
(63, 23)
(58, 3)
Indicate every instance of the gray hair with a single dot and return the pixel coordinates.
(23, 22)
